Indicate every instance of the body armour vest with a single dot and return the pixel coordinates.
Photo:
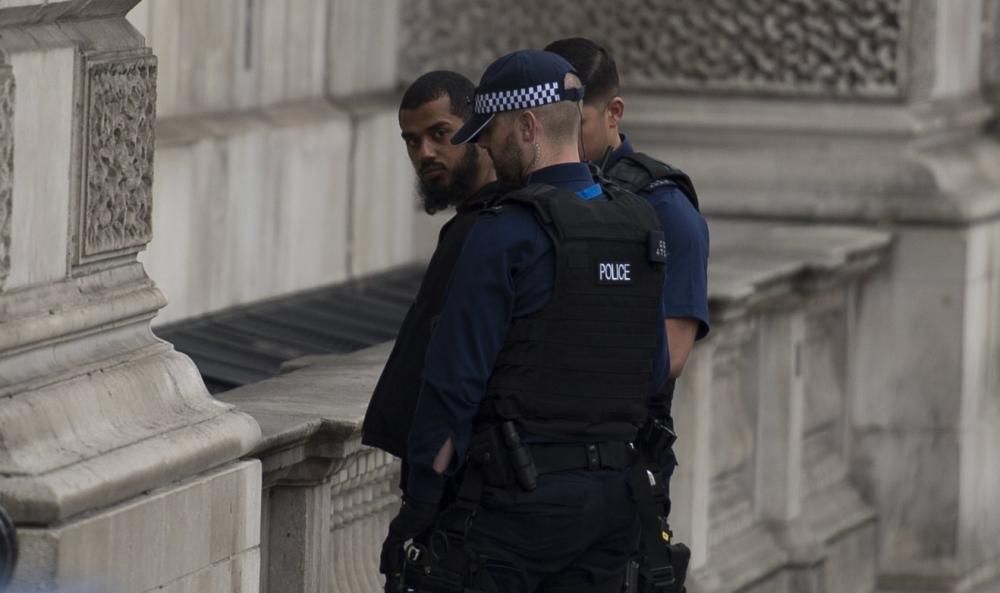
(641, 173)
(638, 172)
(582, 367)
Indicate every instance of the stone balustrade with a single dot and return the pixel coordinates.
(763, 494)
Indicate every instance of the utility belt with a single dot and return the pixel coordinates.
(504, 460)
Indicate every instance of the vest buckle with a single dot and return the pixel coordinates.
(593, 457)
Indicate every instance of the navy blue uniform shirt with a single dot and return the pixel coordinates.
(506, 271)
(685, 283)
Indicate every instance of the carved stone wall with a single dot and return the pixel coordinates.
(118, 145)
(991, 49)
(847, 48)
(6, 167)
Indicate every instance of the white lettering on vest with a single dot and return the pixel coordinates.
(614, 273)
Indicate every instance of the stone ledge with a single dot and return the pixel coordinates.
(311, 417)
(32, 12)
(761, 264)
(927, 163)
(187, 129)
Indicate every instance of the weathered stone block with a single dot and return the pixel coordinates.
(265, 192)
(43, 130)
(368, 28)
(202, 531)
(382, 199)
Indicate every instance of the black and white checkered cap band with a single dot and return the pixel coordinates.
(534, 96)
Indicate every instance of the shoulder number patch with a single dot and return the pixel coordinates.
(611, 273)
(657, 247)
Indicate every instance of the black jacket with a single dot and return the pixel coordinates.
(390, 413)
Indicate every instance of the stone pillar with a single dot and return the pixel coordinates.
(120, 470)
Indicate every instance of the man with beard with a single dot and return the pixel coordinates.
(538, 374)
(432, 109)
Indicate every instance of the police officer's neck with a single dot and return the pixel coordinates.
(555, 155)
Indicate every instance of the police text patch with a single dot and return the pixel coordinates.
(614, 272)
(657, 247)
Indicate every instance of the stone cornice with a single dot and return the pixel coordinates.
(32, 12)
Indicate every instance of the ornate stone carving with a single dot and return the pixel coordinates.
(853, 48)
(6, 167)
(121, 112)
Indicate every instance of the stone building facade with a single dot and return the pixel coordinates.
(839, 429)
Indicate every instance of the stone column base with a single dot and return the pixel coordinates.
(196, 536)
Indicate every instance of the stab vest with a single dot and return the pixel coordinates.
(582, 367)
(638, 172)
(641, 173)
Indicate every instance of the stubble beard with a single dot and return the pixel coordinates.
(508, 163)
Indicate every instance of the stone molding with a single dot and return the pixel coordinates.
(921, 162)
(991, 50)
(33, 12)
(6, 167)
(119, 138)
(810, 48)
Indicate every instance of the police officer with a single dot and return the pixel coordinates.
(672, 195)
(539, 370)
(432, 109)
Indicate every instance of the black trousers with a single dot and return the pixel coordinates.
(574, 533)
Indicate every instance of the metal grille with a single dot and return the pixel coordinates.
(249, 343)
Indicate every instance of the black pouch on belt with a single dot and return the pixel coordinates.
(488, 452)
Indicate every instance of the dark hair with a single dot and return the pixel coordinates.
(436, 84)
(593, 63)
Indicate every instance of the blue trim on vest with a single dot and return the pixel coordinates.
(591, 192)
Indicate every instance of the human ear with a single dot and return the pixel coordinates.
(527, 126)
(614, 111)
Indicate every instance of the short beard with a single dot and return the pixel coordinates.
(508, 163)
(435, 198)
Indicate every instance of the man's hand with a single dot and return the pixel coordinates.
(413, 519)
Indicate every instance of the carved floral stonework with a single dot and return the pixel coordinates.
(121, 112)
(851, 48)
(6, 168)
